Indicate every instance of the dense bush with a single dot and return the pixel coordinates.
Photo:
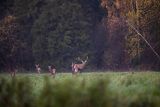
(16, 93)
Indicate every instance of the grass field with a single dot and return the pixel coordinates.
(111, 89)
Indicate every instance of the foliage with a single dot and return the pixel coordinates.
(16, 93)
(143, 15)
(56, 32)
(9, 41)
(61, 33)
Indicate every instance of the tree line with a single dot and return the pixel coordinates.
(57, 32)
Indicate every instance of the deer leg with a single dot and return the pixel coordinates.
(76, 71)
(11, 74)
(14, 74)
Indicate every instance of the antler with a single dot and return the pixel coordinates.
(87, 58)
(81, 59)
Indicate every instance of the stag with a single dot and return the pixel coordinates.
(80, 66)
(38, 69)
(52, 70)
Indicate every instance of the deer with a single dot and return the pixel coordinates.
(13, 72)
(38, 69)
(12, 69)
(52, 70)
(76, 67)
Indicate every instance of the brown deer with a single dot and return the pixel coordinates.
(12, 69)
(52, 70)
(80, 66)
(38, 69)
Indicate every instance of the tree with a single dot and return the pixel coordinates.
(9, 42)
(61, 33)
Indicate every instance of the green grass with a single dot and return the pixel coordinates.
(110, 89)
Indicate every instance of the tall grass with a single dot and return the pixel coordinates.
(83, 90)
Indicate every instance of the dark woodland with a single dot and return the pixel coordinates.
(59, 31)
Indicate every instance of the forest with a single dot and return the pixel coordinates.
(113, 34)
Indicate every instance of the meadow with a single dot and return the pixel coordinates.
(96, 89)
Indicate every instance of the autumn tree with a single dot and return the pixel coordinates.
(9, 42)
